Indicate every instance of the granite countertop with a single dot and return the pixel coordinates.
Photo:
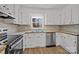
(67, 32)
(2, 47)
(25, 32)
(71, 33)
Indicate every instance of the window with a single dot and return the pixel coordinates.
(37, 22)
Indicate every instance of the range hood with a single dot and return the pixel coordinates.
(6, 16)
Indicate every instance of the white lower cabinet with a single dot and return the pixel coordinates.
(32, 40)
(24, 41)
(67, 41)
(58, 39)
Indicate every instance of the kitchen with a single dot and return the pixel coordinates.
(39, 28)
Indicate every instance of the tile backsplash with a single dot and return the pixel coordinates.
(46, 28)
(11, 28)
(70, 28)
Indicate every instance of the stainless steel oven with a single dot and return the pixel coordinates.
(15, 44)
(3, 36)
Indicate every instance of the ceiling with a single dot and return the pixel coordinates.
(45, 5)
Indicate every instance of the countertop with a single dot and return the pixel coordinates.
(66, 32)
(26, 32)
(71, 33)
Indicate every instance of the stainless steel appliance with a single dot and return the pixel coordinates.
(15, 44)
(50, 39)
(3, 36)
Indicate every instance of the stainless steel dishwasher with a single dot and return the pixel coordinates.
(50, 39)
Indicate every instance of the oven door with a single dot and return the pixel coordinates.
(3, 38)
(15, 47)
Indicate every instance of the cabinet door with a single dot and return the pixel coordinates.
(58, 39)
(35, 40)
(48, 20)
(17, 14)
(42, 39)
(75, 14)
(38, 40)
(52, 18)
(28, 40)
(73, 44)
(69, 43)
(25, 17)
(20, 15)
(24, 41)
(68, 15)
(16, 11)
(62, 40)
(63, 16)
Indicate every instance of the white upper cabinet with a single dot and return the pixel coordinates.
(17, 14)
(70, 15)
(16, 11)
(75, 14)
(25, 17)
(52, 18)
(67, 19)
(62, 16)
(66, 16)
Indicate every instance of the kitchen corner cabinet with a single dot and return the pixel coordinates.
(32, 40)
(66, 16)
(68, 42)
(70, 15)
(75, 14)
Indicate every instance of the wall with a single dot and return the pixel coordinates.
(11, 28)
(70, 28)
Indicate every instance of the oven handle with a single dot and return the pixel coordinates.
(16, 43)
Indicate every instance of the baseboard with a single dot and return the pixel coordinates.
(51, 46)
